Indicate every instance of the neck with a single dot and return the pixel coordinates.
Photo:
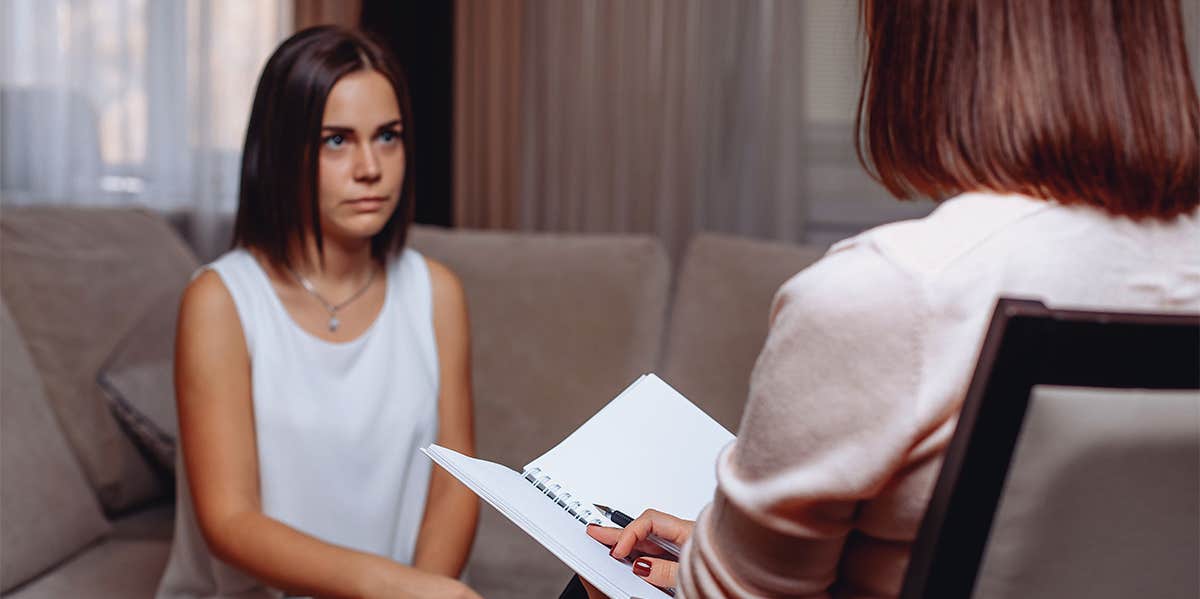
(345, 262)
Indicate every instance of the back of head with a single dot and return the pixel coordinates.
(1077, 101)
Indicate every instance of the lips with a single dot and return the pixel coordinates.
(369, 204)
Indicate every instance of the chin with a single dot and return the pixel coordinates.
(359, 226)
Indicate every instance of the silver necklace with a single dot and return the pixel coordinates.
(333, 308)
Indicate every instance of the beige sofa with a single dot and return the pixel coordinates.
(560, 323)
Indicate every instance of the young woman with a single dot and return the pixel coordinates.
(1066, 135)
(315, 358)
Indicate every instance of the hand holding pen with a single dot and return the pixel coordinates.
(621, 519)
(652, 533)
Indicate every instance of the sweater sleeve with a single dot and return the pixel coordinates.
(830, 419)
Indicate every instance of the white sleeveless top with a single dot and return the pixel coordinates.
(339, 427)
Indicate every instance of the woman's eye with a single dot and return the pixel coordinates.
(335, 141)
(389, 136)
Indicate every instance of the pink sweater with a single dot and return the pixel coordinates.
(858, 388)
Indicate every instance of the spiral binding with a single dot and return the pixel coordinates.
(561, 496)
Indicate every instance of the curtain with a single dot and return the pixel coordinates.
(131, 101)
(665, 116)
(487, 92)
(662, 116)
(308, 13)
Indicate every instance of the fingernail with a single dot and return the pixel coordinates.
(641, 567)
(610, 552)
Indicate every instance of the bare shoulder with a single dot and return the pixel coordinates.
(447, 287)
(206, 298)
(451, 324)
(208, 316)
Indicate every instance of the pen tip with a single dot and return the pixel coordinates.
(603, 508)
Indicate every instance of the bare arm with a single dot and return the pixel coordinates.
(216, 429)
(452, 510)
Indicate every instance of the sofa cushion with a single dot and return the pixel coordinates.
(508, 564)
(139, 381)
(152, 522)
(719, 317)
(559, 325)
(47, 510)
(76, 281)
(117, 569)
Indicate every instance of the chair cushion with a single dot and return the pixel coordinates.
(719, 317)
(117, 569)
(76, 281)
(47, 509)
(1102, 498)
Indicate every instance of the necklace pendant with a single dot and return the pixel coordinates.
(333, 324)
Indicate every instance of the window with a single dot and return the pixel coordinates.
(130, 101)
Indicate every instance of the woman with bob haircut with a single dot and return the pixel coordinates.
(318, 355)
(1064, 137)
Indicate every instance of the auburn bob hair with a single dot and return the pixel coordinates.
(277, 200)
(1076, 101)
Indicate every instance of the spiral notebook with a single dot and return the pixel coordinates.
(648, 448)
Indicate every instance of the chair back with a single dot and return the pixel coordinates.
(1075, 467)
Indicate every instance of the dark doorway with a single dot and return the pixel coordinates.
(421, 33)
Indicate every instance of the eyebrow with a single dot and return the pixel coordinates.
(343, 129)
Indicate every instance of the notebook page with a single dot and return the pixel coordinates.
(648, 448)
(548, 524)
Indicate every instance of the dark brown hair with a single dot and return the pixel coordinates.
(1078, 101)
(277, 200)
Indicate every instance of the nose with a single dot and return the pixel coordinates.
(366, 164)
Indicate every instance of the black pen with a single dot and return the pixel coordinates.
(623, 520)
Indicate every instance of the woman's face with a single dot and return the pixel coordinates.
(361, 157)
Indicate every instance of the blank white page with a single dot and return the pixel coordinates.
(648, 448)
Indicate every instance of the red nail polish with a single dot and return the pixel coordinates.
(641, 567)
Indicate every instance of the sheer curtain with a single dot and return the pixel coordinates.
(667, 116)
(131, 101)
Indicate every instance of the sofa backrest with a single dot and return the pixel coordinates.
(559, 325)
(719, 317)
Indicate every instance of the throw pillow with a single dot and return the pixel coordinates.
(138, 381)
